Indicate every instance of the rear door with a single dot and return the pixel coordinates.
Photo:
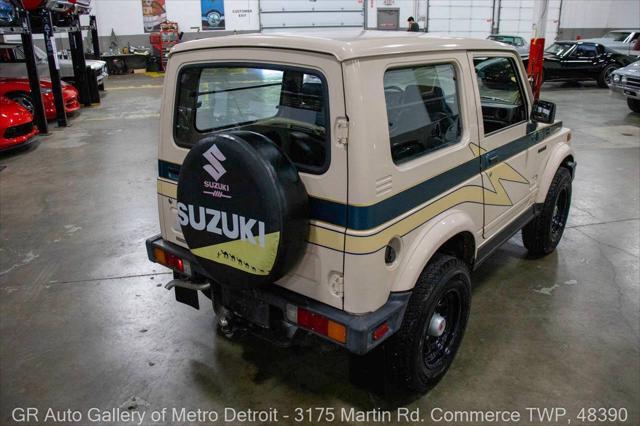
(297, 101)
(503, 117)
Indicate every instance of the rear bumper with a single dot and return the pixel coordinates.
(360, 328)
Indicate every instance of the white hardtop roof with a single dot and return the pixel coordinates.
(345, 45)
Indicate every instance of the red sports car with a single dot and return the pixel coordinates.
(18, 89)
(16, 124)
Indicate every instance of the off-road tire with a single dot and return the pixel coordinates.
(633, 104)
(443, 275)
(602, 78)
(538, 236)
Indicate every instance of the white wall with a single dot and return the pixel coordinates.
(125, 16)
(241, 15)
(600, 14)
(407, 8)
(458, 17)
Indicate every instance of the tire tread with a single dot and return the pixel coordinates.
(408, 336)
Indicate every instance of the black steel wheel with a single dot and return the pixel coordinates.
(423, 349)
(442, 331)
(542, 235)
(560, 214)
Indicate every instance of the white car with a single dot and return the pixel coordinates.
(626, 82)
(622, 41)
(12, 60)
(518, 42)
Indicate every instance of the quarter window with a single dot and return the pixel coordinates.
(289, 106)
(423, 111)
(501, 93)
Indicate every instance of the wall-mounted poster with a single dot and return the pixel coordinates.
(153, 13)
(212, 14)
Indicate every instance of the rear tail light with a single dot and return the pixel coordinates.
(317, 323)
(171, 261)
(380, 332)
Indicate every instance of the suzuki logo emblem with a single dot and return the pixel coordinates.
(215, 157)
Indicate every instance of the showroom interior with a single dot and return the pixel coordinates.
(485, 269)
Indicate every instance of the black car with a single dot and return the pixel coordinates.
(578, 61)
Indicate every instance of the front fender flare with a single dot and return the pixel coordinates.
(556, 158)
(439, 230)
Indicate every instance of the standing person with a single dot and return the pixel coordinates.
(413, 25)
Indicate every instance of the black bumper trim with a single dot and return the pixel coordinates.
(359, 327)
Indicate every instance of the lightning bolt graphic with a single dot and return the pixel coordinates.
(497, 194)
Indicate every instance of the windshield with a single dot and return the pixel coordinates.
(503, 39)
(559, 49)
(288, 106)
(617, 35)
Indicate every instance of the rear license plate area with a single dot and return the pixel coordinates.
(248, 307)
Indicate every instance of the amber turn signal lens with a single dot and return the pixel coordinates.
(337, 332)
(160, 257)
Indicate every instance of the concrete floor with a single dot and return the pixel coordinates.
(84, 322)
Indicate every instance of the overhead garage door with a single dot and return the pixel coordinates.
(462, 18)
(516, 18)
(282, 14)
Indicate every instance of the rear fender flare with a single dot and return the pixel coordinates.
(439, 230)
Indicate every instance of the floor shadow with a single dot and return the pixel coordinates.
(20, 149)
(311, 367)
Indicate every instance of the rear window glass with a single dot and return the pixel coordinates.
(289, 106)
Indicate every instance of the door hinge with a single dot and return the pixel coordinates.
(336, 284)
(342, 131)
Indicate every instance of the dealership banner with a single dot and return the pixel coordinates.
(153, 14)
(212, 14)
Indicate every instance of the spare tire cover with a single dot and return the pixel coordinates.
(242, 208)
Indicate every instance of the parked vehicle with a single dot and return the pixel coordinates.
(12, 60)
(622, 41)
(444, 165)
(212, 14)
(64, 6)
(16, 125)
(520, 44)
(581, 61)
(18, 90)
(8, 12)
(626, 82)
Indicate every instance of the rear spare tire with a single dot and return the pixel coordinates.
(242, 208)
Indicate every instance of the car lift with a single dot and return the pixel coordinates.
(84, 77)
(32, 70)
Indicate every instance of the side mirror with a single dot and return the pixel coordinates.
(543, 112)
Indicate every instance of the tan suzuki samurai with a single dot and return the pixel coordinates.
(346, 185)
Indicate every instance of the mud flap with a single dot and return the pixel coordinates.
(187, 296)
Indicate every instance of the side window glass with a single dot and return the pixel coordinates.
(501, 93)
(585, 51)
(423, 110)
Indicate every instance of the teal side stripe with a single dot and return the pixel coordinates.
(367, 217)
